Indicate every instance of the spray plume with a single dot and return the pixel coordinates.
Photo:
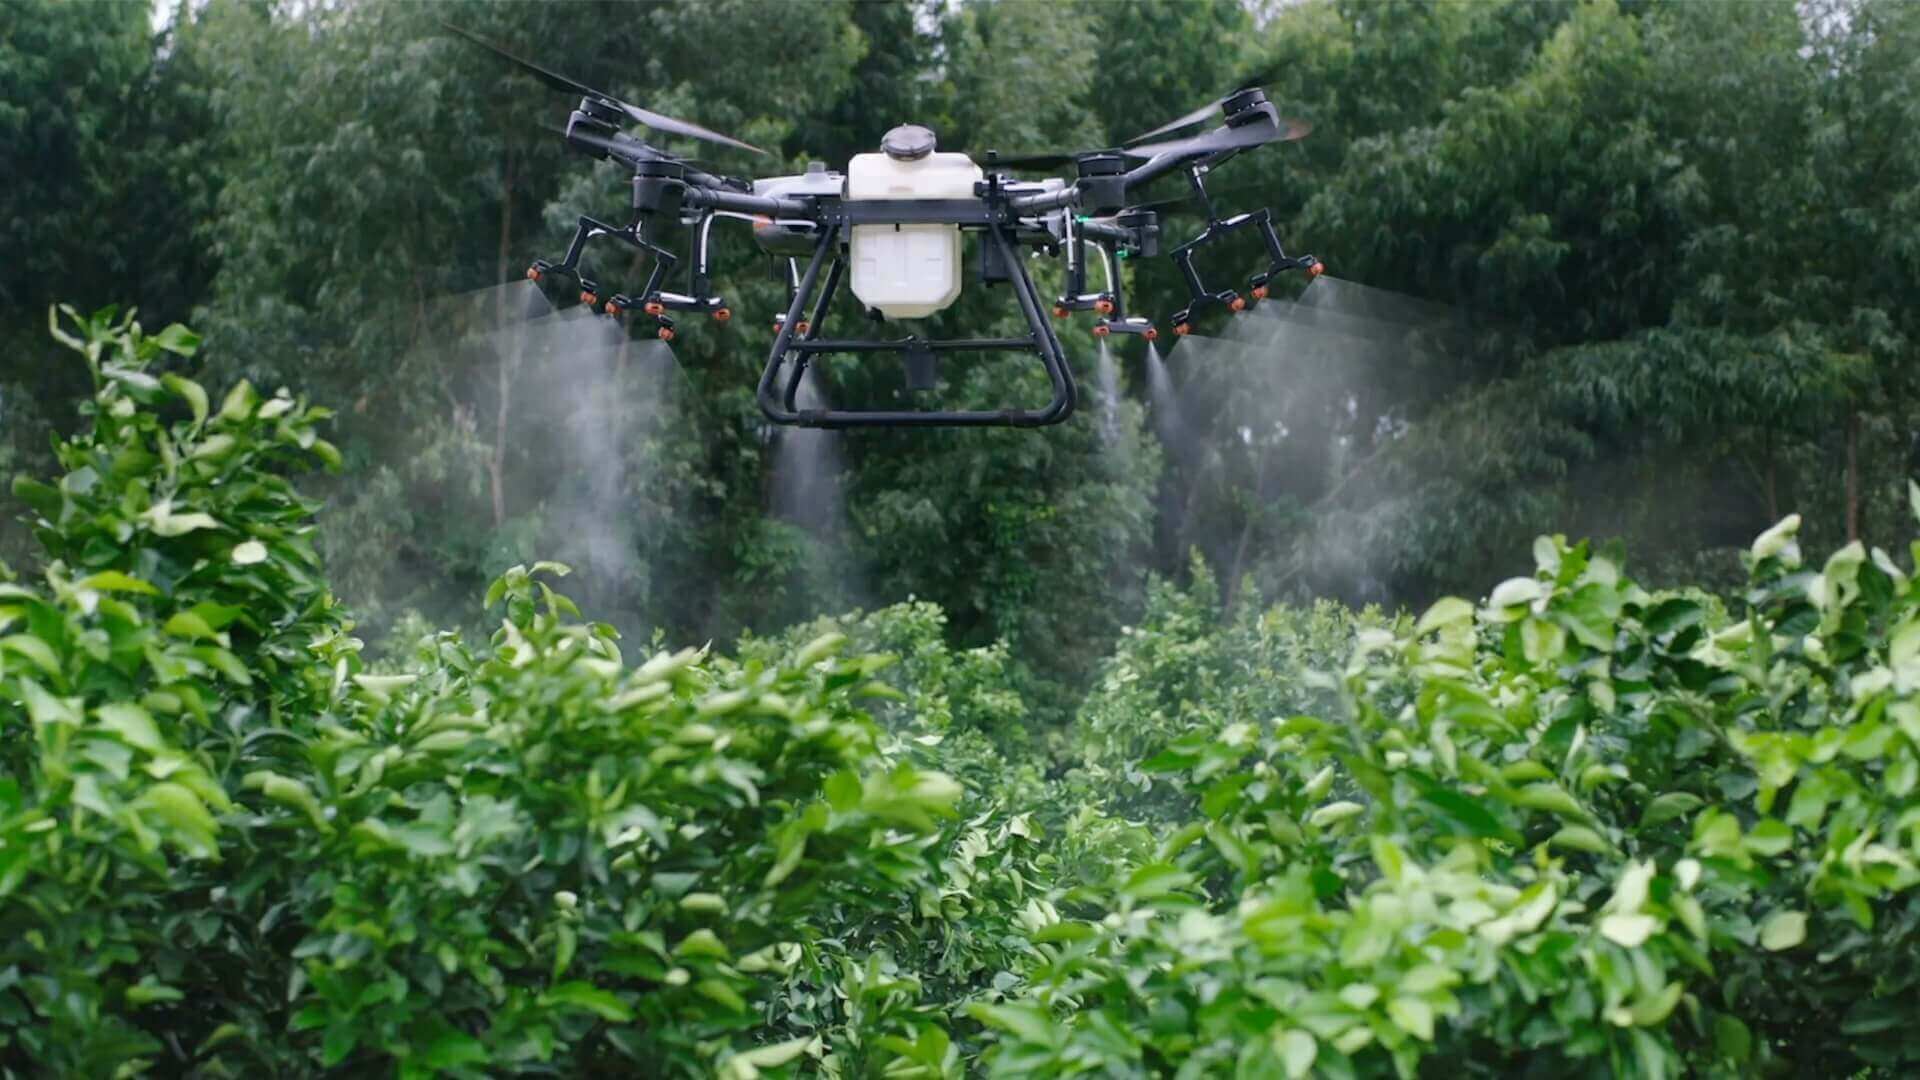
(1277, 411)
(1109, 399)
(807, 468)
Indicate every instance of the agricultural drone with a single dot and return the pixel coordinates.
(890, 228)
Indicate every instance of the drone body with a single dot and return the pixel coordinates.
(890, 229)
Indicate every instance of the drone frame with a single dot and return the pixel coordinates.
(1006, 215)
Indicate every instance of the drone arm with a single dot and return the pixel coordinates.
(708, 198)
(1027, 205)
(1155, 168)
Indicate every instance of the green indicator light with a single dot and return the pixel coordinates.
(1121, 254)
(1082, 218)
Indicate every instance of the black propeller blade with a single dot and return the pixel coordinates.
(627, 148)
(1226, 138)
(1211, 107)
(1038, 161)
(1229, 197)
(657, 121)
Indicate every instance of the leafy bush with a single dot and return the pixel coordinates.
(226, 844)
(1576, 828)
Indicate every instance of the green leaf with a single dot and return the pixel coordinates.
(45, 499)
(702, 943)
(1769, 837)
(1733, 1041)
(189, 625)
(342, 1036)
(240, 401)
(1783, 930)
(115, 581)
(1023, 1020)
(450, 1048)
(792, 846)
(1779, 542)
(1629, 931)
(819, 649)
(34, 650)
(164, 522)
(578, 994)
(288, 792)
(772, 1057)
(1446, 611)
(1154, 880)
(133, 724)
(180, 341)
(1671, 805)
(1412, 1015)
(1334, 813)
(1297, 1051)
(720, 993)
(149, 990)
(179, 808)
(44, 708)
(1580, 838)
(195, 394)
(1470, 814)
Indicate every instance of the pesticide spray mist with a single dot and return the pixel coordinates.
(1169, 421)
(1277, 413)
(807, 469)
(581, 419)
(1109, 398)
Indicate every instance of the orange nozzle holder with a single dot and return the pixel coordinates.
(533, 273)
(1101, 330)
(613, 309)
(1238, 303)
(801, 327)
(666, 333)
(722, 314)
(1059, 311)
(654, 307)
(1259, 292)
(1104, 307)
(1182, 329)
(1150, 334)
(1316, 270)
(589, 299)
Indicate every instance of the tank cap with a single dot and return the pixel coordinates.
(908, 142)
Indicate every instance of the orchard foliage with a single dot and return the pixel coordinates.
(1575, 827)
(1680, 237)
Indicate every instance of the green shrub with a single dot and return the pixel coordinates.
(1575, 829)
(224, 844)
(1579, 828)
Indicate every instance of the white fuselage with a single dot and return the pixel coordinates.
(908, 271)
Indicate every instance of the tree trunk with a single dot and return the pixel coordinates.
(1230, 588)
(1773, 481)
(509, 357)
(1853, 476)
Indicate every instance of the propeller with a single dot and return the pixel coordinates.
(1249, 83)
(1055, 160)
(647, 117)
(1227, 138)
(1186, 197)
(626, 147)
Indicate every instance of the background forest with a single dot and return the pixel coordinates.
(1159, 743)
(1682, 237)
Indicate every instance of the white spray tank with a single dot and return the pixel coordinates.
(908, 271)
